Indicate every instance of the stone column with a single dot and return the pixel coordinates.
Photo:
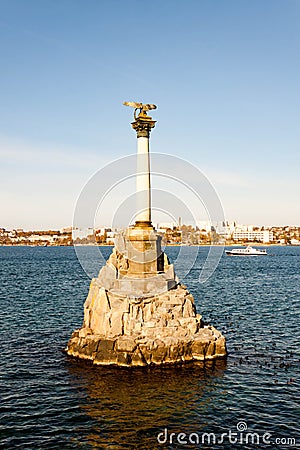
(143, 125)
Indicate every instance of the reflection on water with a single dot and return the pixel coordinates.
(130, 405)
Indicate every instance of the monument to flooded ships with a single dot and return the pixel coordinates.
(137, 311)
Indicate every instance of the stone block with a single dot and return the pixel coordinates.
(199, 348)
(173, 323)
(159, 354)
(170, 340)
(105, 352)
(82, 342)
(73, 345)
(166, 262)
(90, 347)
(136, 313)
(116, 323)
(162, 310)
(86, 319)
(101, 302)
(174, 354)
(119, 304)
(137, 358)
(210, 351)
(149, 333)
(147, 311)
(175, 298)
(162, 322)
(126, 324)
(137, 328)
(205, 333)
(123, 359)
(215, 332)
(150, 324)
(189, 323)
(106, 344)
(125, 344)
(146, 353)
(188, 309)
(177, 312)
(131, 325)
(82, 332)
(91, 294)
(169, 273)
(107, 276)
(190, 298)
(141, 340)
(187, 352)
(163, 298)
(162, 332)
(220, 346)
(106, 357)
(199, 318)
(99, 323)
(193, 326)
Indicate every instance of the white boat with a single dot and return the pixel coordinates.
(248, 251)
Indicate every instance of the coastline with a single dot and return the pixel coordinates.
(254, 244)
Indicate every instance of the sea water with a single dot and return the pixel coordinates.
(52, 401)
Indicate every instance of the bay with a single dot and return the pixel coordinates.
(49, 400)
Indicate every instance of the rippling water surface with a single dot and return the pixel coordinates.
(52, 401)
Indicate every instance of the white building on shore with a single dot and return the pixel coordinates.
(263, 236)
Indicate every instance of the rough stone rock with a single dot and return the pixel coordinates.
(220, 346)
(116, 323)
(105, 358)
(159, 353)
(91, 346)
(137, 358)
(210, 351)
(124, 358)
(199, 347)
(106, 353)
(126, 344)
(146, 353)
(188, 310)
(108, 276)
(140, 327)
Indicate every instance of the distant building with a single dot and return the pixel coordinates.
(263, 236)
(204, 225)
(110, 237)
(226, 229)
(66, 230)
(166, 225)
(295, 242)
(41, 237)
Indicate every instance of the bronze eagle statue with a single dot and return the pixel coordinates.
(143, 108)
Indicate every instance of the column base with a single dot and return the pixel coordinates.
(143, 224)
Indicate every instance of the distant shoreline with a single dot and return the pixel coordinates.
(252, 244)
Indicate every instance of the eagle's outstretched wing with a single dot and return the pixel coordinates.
(146, 107)
(133, 104)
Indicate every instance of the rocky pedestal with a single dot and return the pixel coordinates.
(137, 312)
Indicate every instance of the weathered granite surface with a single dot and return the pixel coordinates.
(136, 321)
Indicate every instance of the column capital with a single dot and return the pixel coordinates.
(143, 125)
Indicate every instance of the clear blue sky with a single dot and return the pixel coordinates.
(224, 74)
